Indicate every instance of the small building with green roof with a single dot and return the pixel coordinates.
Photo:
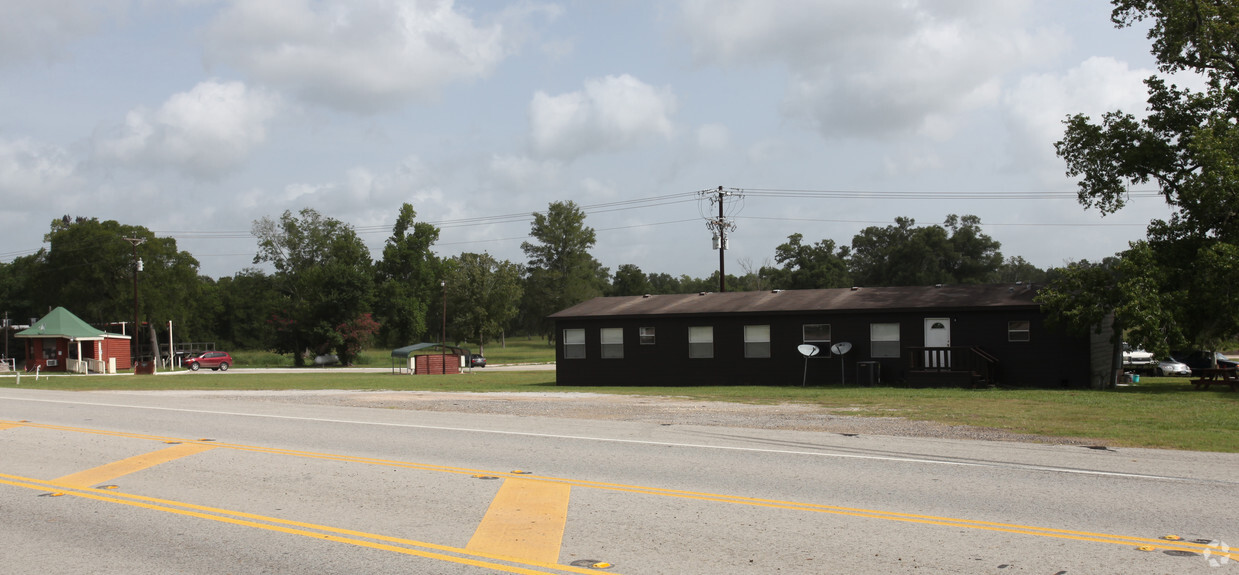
(61, 341)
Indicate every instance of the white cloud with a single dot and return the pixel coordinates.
(713, 137)
(860, 68)
(518, 172)
(360, 195)
(31, 172)
(766, 151)
(203, 133)
(1096, 86)
(611, 113)
(358, 56)
(42, 30)
(1037, 105)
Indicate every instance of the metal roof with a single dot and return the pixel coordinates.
(60, 322)
(408, 350)
(946, 297)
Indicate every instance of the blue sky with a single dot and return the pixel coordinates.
(196, 118)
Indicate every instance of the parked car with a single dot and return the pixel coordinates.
(1200, 359)
(326, 359)
(476, 360)
(1136, 358)
(216, 360)
(1170, 366)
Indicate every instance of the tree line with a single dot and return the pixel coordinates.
(315, 289)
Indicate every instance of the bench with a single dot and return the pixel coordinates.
(1210, 376)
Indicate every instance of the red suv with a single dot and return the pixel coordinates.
(216, 360)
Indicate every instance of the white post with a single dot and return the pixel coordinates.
(170, 354)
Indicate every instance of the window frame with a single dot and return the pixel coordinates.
(611, 349)
(875, 342)
(695, 346)
(577, 347)
(645, 335)
(823, 345)
(754, 346)
(1012, 331)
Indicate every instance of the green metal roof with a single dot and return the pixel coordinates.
(61, 323)
(409, 349)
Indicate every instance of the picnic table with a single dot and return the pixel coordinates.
(1211, 375)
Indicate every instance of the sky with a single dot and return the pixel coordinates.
(195, 118)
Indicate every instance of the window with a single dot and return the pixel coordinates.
(646, 335)
(701, 341)
(574, 344)
(756, 341)
(1018, 331)
(612, 342)
(884, 340)
(818, 334)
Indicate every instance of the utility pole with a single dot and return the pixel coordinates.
(137, 267)
(443, 335)
(720, 227)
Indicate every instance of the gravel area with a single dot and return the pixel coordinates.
(661, 410)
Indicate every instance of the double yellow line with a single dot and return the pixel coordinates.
(321, 532)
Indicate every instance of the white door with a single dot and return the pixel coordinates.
(938, 334)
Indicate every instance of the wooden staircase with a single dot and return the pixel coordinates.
(955, 366)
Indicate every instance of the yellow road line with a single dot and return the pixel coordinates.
(525, 520)
(9, 425)
(320, 532)
(136, 463)
(1051, 532)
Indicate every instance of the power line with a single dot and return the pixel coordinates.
(932, 195)
(685, 197)
(983, 224)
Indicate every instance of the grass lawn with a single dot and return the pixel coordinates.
(516, 350)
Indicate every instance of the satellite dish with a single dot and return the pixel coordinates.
(807, 351)
(841, 348)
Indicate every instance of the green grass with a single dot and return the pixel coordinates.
(516, 350)
(1158, 412)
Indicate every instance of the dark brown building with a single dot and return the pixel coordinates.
(940, 335)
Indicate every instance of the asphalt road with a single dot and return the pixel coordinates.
(105, 483)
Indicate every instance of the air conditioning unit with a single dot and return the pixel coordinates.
(53, 362)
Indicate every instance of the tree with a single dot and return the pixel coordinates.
(322, 271)
(483, 294)
(974, 256)
(1083, 296)
(904, 255)
(247, 303)
(1017, 269)
(664, 283)
(815, 266)
(561, 271)
(17, 289)
(355, 334)
(407, 280)
(1189, 145)
(630, 280)
(89, 267)
(900, 255)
